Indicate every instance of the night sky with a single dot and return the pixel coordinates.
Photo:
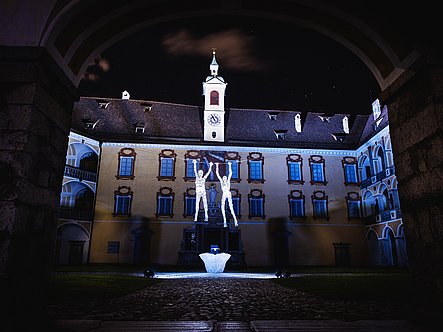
(267, 64)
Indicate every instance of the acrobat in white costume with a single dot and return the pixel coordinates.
(200, 189)
(225, 183)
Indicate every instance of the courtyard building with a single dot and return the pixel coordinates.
(307, 188)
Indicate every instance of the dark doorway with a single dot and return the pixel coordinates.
(89, 162)
(393, 247)
(142, 245)
(342, 254)
(213, 236)
(76, 252)
(84, 200)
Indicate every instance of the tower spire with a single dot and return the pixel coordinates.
(214, 65)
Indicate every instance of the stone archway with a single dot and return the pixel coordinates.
(42, 59)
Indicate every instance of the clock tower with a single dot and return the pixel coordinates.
(214, 114)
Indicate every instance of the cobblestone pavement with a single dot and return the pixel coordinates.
(227, 299)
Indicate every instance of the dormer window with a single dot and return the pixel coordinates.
(146, 107)
(125, 95)
(376, 110)
(280, 134)
(273, 115)
(90, 124)
(339, 137)
(139, 128)
(214, 98)
(325, 118)
(103, 104)
(297, 120)
(345, 122)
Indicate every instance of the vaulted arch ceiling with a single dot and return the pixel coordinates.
(76, 31)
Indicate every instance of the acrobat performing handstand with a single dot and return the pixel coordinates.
(200, 189)
(225, 183)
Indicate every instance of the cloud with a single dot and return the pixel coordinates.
(234, 48)
(96, 69)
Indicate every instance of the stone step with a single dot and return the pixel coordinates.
(232, 326)
(156, 326)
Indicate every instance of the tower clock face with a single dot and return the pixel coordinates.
(214, 119)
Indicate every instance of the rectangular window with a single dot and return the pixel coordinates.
(350, 173)
(164, 205)
(294, 171)
(297, 208)
(317, 172)
(255, 170)
(189, 205)
(190, 168)
(320, 208)
(113, 247)
(234, 166)
(126, 166)
(167, 167)
(354, 209)
(122, 205)
(256, 207)
(236, 205)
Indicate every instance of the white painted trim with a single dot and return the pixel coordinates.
(84, 138)
(244, 223)
(350, 153)
(370, 142)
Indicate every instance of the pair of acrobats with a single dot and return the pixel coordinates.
(200, 191)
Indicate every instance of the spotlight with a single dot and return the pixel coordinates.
(148, 273)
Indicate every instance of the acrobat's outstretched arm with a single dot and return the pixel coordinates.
(209, 171)
(217, 173)
(230, 171)
(194, 161)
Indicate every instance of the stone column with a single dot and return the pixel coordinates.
(415, 105)
(36, 100)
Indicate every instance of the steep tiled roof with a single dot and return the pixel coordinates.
(116, 120)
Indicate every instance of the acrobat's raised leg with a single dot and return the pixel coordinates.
(197, 206)
(205, 206)
(222, 207)
(231, 207)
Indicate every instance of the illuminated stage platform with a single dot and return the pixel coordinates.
(190, 275)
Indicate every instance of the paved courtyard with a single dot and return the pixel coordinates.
(226, 298)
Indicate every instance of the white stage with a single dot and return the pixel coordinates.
(239, 275)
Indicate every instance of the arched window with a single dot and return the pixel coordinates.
(381, 164)
(214, 98)
(365, 168)
(369, 204)
(89, 161)
(385, 201)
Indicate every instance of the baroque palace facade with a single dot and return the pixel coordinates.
(307, 188)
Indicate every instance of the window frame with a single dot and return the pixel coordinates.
(297, 195)
(320, 195)
(126, 153)
(108, 247)
(166, 153)
(234, 157)
(189, 156)
(235, 194)
(256, 194)
(214, 98)
(350, 161)
(190, 193)
(256, 157)
(123, 191)
(165, 192)
(317, 159)
(354, 196)
(295, 158)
